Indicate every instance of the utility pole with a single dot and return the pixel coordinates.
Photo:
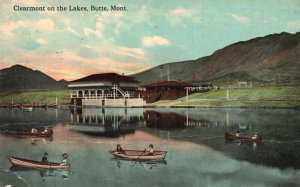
(168, 73)
(161, 73)
(187, 94)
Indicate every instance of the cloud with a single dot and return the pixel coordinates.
(73, 31)
(121, 21)
(98, 31)
(41, 41)
(45, 24)
(105, 48)
(131, 52)
(176, 16)
(151, 41)
(26, 3)
(86, 66)
(295, 24)
(8, 28)
(42, 25)
(181, 12)
(239, 18)
(69, 66)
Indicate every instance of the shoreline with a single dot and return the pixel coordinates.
(68, 106)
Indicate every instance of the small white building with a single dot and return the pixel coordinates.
(105, 90)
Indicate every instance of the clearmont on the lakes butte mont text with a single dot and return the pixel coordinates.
(71, 8)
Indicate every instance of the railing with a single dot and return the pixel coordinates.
(124, 94)
(109, 95)
(116, 93)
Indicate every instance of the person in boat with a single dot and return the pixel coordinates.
(64, 161)
(45, 158)
(46, 130)
(33, 130)
(120, 149)
(255, 136)
(237, 134)
(151, 150)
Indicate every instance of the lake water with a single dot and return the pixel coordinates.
(198, 154)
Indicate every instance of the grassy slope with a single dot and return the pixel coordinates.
(36, 96)
(258, 93)
(254, 97)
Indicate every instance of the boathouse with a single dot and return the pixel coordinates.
(105, 90)
(166, 90)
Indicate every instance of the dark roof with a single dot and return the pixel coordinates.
(111, 77)
(168, 84)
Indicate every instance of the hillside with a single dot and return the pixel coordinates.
(19, 77)
(273, 59)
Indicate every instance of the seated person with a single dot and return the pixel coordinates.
(45, 158)
(151, 150)
(255, 136)
(64, 161)
(120, 149)
(46, 130)
(33, 130)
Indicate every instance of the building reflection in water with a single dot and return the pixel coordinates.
(110, 122)
(115, 122)
(164, 120)
(175, 120)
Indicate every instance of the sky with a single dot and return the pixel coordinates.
(73, 44)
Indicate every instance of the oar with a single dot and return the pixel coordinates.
(141, 154)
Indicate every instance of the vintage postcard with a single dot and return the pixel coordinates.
(134, 93)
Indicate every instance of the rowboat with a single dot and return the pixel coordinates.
(139, 155)
(21, 162)
(39, 134)
(242, 138)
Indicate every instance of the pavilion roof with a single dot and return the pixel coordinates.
(111, 77)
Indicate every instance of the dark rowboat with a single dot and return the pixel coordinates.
(242, 138)
(139, 155)
(21, 162)
(39, 134)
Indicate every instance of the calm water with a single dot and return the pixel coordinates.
(198, 154)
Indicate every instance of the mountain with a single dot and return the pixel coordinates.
(20, 77)
(273, 59)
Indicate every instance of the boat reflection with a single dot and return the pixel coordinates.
(38, 140)
(54, 173)
(253, 145)
(44, 173)
(138, 163)
(109, 122)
